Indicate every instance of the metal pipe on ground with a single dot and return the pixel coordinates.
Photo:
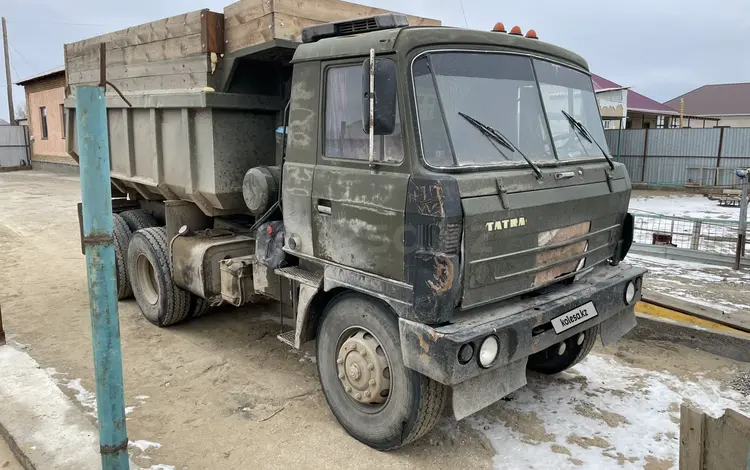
(93, 146)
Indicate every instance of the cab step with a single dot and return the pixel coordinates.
(295, 273)
(287, 338)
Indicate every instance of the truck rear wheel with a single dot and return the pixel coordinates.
(373, 395)
(121, 235)
(149, 265)
(198, 306)
(566, 354)
(138, 219)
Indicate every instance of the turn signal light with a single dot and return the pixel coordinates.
(516, 31)
(532, 34)
(499, 28)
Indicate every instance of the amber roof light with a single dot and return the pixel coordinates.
(531, 34)
(499, 28)
(516, 31)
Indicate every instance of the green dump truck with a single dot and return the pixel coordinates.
(435, 207)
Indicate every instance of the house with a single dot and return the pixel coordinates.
(45, 94)
(728, 104)
(619, 104)
(3, 122)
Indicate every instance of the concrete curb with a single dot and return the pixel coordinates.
(42, 426)
(721, 343)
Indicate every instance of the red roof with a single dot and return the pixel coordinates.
(716, 100)
(636, 101)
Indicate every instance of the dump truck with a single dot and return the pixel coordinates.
(435, 207)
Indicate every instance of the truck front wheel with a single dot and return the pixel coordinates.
(566, 354)
(373, 395)
(149, 266)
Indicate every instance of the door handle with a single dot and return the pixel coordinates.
(565, 175)
(324, 206)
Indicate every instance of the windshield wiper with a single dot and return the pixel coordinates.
(494, 134)
(578, 126)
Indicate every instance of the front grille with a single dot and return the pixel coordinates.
(357, 26)
(556, 257)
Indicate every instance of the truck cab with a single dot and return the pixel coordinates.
(441, 215)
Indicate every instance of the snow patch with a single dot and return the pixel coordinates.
(84, 397)
(600, 412)
(144, 445)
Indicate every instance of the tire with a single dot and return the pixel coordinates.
(160, 301)
(550, 362)
(198, 307)
(138, 219)
(121, 235)
(413, 402)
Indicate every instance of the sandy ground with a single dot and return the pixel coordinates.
(222, 392)
(7, 459)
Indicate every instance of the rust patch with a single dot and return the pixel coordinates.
(443, 276)
(552, 237)
(428, 200)
(423, 344)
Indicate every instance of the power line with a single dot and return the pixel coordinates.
(461, 2)
(21, 55)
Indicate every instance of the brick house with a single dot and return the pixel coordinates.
(45, 94)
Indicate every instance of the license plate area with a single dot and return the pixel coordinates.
(574, 317)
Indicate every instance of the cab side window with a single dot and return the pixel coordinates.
(344, 136)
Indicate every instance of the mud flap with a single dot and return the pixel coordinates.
(482, 391)
(615, 327)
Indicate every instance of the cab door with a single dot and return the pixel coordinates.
(357, 211)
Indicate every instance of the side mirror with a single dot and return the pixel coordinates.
(384, 122)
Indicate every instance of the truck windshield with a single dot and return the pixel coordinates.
(501, 91)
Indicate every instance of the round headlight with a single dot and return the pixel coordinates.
(488, 351)
(630, 293)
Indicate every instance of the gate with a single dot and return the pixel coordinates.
(14, 147)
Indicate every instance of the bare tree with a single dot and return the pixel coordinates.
(20, 111)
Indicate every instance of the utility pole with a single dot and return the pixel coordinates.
(7, 75)
(742, 232)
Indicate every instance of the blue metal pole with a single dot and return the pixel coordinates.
(93, 149)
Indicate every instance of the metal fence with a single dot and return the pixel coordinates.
(682, 157)
(709, 235)
(14, 146)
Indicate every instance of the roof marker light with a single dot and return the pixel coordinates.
(531, 34)
(516, 31)
(499, 28)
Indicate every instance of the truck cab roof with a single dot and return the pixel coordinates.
(409, 38)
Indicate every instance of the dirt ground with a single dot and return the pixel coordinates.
(221, 391)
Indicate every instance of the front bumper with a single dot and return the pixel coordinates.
(522, 326)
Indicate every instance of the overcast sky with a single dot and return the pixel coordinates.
(662, 48)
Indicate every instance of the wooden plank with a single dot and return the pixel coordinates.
(198, 63)
(212, 32)
(245, 11)
(152, 52)
(325, 11)
(727, 440)
(167, 28)
(736, 321)
(692, 438)
(289, 27)
(256, 31)
(177, 81)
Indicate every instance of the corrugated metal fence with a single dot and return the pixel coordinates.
(679, 157)
(14, 146)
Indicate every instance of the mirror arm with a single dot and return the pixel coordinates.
(372, 107)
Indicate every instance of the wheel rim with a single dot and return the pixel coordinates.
(147, 279)
(364, 369)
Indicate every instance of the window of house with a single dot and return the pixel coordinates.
(43, 112)
(344, 136)
(62, 120)
(660, 122)
(674, 122)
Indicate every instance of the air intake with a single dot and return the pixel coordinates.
(355, 26)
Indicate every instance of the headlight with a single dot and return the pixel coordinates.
(488, 351)
(630, 293)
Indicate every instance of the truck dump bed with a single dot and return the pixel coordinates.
(206, 92)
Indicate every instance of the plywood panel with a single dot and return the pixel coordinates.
(245, 11)
(141, 54)
(167, 28)
(198, 63)
(256, 31)
(325, 11)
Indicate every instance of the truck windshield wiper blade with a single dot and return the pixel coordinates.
(498, 137)
(578, 126)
